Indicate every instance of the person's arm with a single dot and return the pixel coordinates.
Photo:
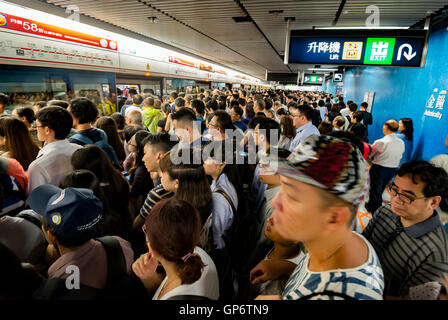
(36, 177)
(168, 123)
(377, 147)
(271, 270)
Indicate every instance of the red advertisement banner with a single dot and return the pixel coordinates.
(12, 22)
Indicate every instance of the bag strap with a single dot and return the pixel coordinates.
(327, 293)
(82, 138)
(116, 263)
(225, 195)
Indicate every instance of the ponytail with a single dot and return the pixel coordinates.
(190, 271)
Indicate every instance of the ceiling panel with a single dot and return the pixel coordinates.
(206, 27)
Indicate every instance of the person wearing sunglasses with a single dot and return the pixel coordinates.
(407, 234)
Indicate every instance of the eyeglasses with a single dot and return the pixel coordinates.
(408, 199)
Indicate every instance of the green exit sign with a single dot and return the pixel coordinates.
(313, 79)
(379, 51)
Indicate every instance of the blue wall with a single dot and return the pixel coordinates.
(403, 92)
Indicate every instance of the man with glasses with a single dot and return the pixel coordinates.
(407, 233)
(302, 119)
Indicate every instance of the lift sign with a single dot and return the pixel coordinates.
(385, 51)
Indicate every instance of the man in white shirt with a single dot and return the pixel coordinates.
(53, 161)
(303, 117)
(386, 155)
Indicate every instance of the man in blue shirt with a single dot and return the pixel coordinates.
(236, 114)
(303, 116)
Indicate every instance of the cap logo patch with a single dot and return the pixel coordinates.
(60, 198)
(56, 219)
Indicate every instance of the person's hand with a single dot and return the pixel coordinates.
(145, 268)
(270, 270)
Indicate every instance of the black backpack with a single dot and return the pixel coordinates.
(120, 285)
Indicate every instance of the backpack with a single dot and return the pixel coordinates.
(106, 147)
(120, 285)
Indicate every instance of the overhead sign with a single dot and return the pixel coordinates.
(311, 78)
(337, 77)
(401, 48)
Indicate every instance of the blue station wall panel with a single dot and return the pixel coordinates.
(403, 92)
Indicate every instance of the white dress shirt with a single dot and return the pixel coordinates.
(387, 151)
(53, 162)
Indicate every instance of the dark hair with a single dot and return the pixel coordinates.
(193, 183)
(242, 101)
(137, 99)
(139, 139)
(185, 115)
(358, 129)
(179, 102)
(61, 103)
(222, 105)
(212, 105)
(84, 110)
(4, 100)
(321, 103)
(238, 110)
(325, 127)
(364, 105)
(435, 179)
(358, 116)
(254, 122)
(306, 110)
(149, 101)
(198, 105)
(352, 107)
(268, 125)
(409, 128)
(166, 107)
(119, 120)
(250, 113)
(28, 113)
(160, 141)
(109, 126)
(223, 120)
(173, 227)
(173, 95)
(340, 120)
(40, 104)
(96, 160)
(130, 130)
(57, 119)
(349, 137)
(287, 125)
(282, 112)
(19, 142)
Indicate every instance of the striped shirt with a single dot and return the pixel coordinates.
(365, 282)
(154, 196)
(409, 256)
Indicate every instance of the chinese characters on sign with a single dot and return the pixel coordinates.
(435, 110)
(333, 48)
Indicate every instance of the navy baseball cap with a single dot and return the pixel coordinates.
(70, 212)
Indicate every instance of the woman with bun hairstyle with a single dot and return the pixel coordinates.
(172, 234)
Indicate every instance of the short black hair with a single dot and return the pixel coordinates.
(222, 105)
(160, 141)
(84, 110)
(26, 112)
(62, 103)
(358, 115)
(353, 107)
(212, 104)
(364, 105)
(198, 105)
(223, 120)
(184, 114)
(180, 102)
(173, 95)
(57, 119)
(238, 110)
(4, 99)
(306, 110)
(268, 125)
(260, 103)
(435, 178)
(358, 129)
(242, 102)
(119, 120)
(137, 99)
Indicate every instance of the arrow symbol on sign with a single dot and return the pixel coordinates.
(408, 55)
(320, 79)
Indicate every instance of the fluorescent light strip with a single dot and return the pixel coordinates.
(318, 69)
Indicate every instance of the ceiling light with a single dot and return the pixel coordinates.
(319, 69)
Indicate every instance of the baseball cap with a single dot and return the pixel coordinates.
(70, 212)
(329, 163)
